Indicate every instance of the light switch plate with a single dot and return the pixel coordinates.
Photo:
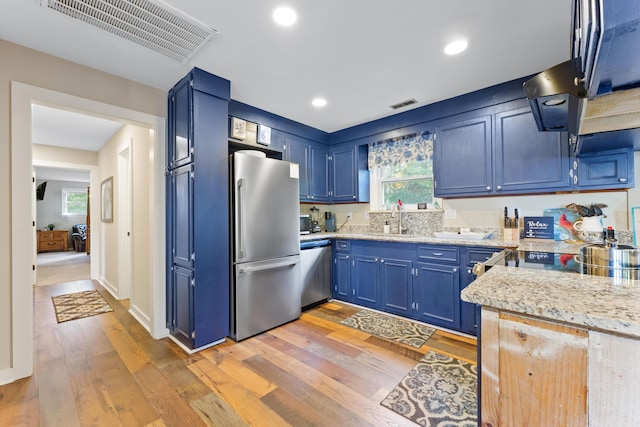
(449, 214)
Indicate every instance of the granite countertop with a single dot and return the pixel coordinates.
(408, 238)
(594, 302)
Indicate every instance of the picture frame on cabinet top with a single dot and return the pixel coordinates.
(238, 128)
(264, 135)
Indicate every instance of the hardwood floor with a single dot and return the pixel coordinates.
(106, 370)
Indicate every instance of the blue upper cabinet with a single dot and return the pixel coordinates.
(527, 160)
(349, 173)
(605, 170)
(605, 35)
(313, 161)
(319, 172)
(180, 130)
(502, 152)
(463, 142)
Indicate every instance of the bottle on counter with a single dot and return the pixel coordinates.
(387, 229)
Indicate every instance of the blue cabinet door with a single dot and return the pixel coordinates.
(395, 277)
(364, 280)
(608, 169)
(298, 152)
(344, 175)
(436, 293)
(180, 135)
(342, 276)
(181, 206)
(319, 173)
(462, 155)
(181, 325)
(527, 160)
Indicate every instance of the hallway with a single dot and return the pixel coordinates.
(61, 267)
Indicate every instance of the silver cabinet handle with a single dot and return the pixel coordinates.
(488, 188)
(622, 180)
(499, 187)
(266, 267)
(436, 253)
(455, 270)
(468, 271)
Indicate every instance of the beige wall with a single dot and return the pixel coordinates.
(139, 140)
(45, 71)
(108, 167)
(49, 153)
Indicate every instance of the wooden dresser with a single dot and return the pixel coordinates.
(55, 240)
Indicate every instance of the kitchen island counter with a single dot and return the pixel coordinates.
(594, 302)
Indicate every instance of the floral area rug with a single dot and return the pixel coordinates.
(439, 391)
(79, 305)
(392, 328)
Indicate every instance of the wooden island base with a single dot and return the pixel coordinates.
(541, 373)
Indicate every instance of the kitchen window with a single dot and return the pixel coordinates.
(74, 201)
(402, 169)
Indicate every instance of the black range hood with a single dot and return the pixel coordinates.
(557, 97)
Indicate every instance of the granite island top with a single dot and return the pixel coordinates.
(409, 238)
(594, 302)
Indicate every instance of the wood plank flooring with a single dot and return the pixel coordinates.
(106, 370)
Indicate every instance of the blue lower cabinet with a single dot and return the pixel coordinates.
(364, 280)
(395, 278)
(342, 276)
(436, 294)
(182, 323)
(468, 321)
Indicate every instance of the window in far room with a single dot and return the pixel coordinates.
(74, 201)
(402, 169)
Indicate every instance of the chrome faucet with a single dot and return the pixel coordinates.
(398, 206)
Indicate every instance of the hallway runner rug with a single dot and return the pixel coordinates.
(79, 305)
(391, 328)
(439, 391)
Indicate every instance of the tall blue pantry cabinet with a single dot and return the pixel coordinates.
(197, 213)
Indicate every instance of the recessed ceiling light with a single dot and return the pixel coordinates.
(285, 16)
(455, 47)
(319, 102)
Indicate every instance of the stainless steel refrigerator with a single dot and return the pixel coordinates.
(266, 278)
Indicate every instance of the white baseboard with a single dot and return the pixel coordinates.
(141, 317)
(108, 286)
(7, 376)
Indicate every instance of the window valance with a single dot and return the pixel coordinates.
(417, 147)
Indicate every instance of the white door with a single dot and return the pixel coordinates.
(124, 224)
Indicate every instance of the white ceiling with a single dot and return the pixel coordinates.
(70, 129)
(361, 55)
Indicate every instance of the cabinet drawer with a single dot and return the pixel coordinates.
(439, 253)
(48, 246)
(44, 236)
(343, 245)
(475, 256)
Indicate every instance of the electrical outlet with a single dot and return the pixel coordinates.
(449, 214)
(349, 216)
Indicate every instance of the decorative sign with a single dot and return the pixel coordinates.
(538, 227)
(264, 135)
(238, 128)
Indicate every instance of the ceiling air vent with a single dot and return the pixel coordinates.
(152, 25)
(403, 104)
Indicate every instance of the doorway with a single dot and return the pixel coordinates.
(22, 97)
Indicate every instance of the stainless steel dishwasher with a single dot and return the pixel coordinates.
(315, 263)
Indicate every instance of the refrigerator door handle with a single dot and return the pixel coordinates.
(240, 225)
(271, 266)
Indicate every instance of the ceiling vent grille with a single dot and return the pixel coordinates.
(403, 104)
(152, 25)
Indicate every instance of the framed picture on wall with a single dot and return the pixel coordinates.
(106, 200)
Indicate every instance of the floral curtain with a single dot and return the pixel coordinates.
(417, 147)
